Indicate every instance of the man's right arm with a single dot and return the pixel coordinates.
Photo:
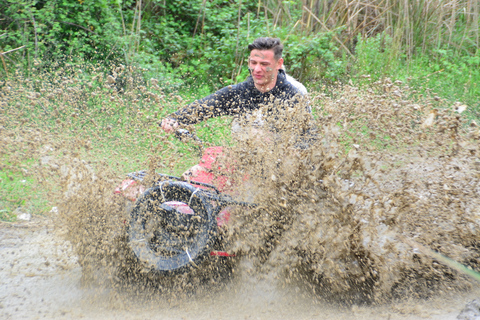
(217, 104)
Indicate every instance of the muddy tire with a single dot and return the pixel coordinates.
(172, 228)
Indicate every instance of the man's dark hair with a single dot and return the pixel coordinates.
(267, 44)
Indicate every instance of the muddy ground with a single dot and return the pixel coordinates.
(41, 279)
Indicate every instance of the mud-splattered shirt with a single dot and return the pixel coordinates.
(240, 100)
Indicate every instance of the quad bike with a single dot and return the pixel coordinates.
(176, 224)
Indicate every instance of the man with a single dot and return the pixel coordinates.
(267, 86)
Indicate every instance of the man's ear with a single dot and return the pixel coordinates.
(279, 63)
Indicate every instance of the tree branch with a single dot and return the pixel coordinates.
(78, 26)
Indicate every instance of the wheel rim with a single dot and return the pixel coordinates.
(172, 227)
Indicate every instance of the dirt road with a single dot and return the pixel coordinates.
(40, 279)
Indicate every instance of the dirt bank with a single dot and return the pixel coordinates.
(41, 279)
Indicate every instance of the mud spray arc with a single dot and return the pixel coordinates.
(338, 218)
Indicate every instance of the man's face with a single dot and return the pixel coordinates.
(264, 68)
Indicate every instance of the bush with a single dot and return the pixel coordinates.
(52, 30)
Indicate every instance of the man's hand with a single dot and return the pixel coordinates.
(169, 125)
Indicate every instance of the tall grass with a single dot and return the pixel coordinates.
(425, 43)
(413, 24)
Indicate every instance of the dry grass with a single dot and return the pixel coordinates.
(412, 24)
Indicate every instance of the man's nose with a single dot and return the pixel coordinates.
(257, 67)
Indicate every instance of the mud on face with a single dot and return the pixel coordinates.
(339, 194)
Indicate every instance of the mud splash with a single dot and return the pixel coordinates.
(337, 211)
(383, 173)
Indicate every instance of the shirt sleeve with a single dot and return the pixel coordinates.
(225, 101)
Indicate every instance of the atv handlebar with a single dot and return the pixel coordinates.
(183, 134)
(186, 136)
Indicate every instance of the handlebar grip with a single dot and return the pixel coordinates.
(183, 134)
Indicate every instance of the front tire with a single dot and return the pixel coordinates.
(172, 228)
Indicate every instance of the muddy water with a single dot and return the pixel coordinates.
(341, 212)
(41, 279)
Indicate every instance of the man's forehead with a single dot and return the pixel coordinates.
(261, 54)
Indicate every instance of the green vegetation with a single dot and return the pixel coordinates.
(18, 195)
(203, 43)
(448, 74)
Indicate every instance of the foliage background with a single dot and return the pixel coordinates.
(202, 43)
